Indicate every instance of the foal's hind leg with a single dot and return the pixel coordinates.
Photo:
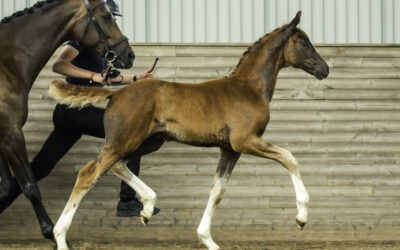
(87, 177)
(226, 164)
(147, 195)
(14, 150)
(256, 146)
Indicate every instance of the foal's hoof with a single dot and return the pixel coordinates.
(68, 245)
(300, 224)
(144, 219)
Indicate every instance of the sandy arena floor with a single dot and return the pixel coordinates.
(166, 245)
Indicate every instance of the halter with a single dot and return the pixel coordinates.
(110, 55)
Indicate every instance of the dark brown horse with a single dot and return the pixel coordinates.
(28, 39)
(231, 113)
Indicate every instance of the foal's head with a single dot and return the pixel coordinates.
(300, 53)
(98, 29)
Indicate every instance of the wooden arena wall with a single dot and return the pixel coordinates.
(344, 131)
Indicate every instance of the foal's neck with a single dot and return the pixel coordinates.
(259, 70)
(32, 39)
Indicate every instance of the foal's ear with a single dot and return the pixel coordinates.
(296, 20)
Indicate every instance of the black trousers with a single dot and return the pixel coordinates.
(69, 125)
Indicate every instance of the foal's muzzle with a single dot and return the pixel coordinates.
(321, 70)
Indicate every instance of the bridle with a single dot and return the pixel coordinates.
(110, 55)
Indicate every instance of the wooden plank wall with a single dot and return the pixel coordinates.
(344, 131)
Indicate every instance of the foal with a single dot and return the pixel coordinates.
(231, 113)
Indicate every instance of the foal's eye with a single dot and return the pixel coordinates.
(107, 18)
(305, 44)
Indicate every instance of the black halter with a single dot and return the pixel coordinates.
(110, 55)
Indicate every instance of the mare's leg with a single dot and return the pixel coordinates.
(146, 195)
(87, 177)
(14, 150)
(256, 146)
(226, 164)
(8, 185)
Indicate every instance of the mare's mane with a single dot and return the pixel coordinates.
(29, 10)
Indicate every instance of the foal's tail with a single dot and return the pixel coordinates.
(77, 96)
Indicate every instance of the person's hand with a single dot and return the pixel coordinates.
(98, 78)
(146, 74)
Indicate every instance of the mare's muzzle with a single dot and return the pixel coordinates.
(124, 56)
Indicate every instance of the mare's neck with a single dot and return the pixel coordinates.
(32, 39)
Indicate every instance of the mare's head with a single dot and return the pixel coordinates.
(300, 53)
(98, 29)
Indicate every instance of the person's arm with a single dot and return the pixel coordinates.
(128, 79)
(63, 66)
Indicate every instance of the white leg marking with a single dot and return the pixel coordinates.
(65, 220)
(302, 196)
(203, 231)
(146, 195)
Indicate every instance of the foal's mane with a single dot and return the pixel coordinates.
(29, 10)
(254, 48)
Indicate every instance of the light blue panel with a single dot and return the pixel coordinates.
(294, 6)
(329, 21)
(247, 21)
(271, 12)
(152, 21)
(200, 21)
(376, 21)
(223, 21)
(164, 21)
(235, 31)
(258, 19)
(139, 17)
(364, 21)
(318, 20)
(352, 21)
(282, 12)
(127, 22)
(306, 22)
(396, 29)
(211, 21)
(341, 21)
(120, 19)
(8, 7)
(387, 21)
(19, 4)
(176, 21)
(188, 21)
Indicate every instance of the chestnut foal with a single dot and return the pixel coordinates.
(231, 113)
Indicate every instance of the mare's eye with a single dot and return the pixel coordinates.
(305, 44)
(107, 18)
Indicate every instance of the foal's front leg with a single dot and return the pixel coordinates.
(226, 164)
(256, 146)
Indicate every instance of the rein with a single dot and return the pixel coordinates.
(110, 55)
